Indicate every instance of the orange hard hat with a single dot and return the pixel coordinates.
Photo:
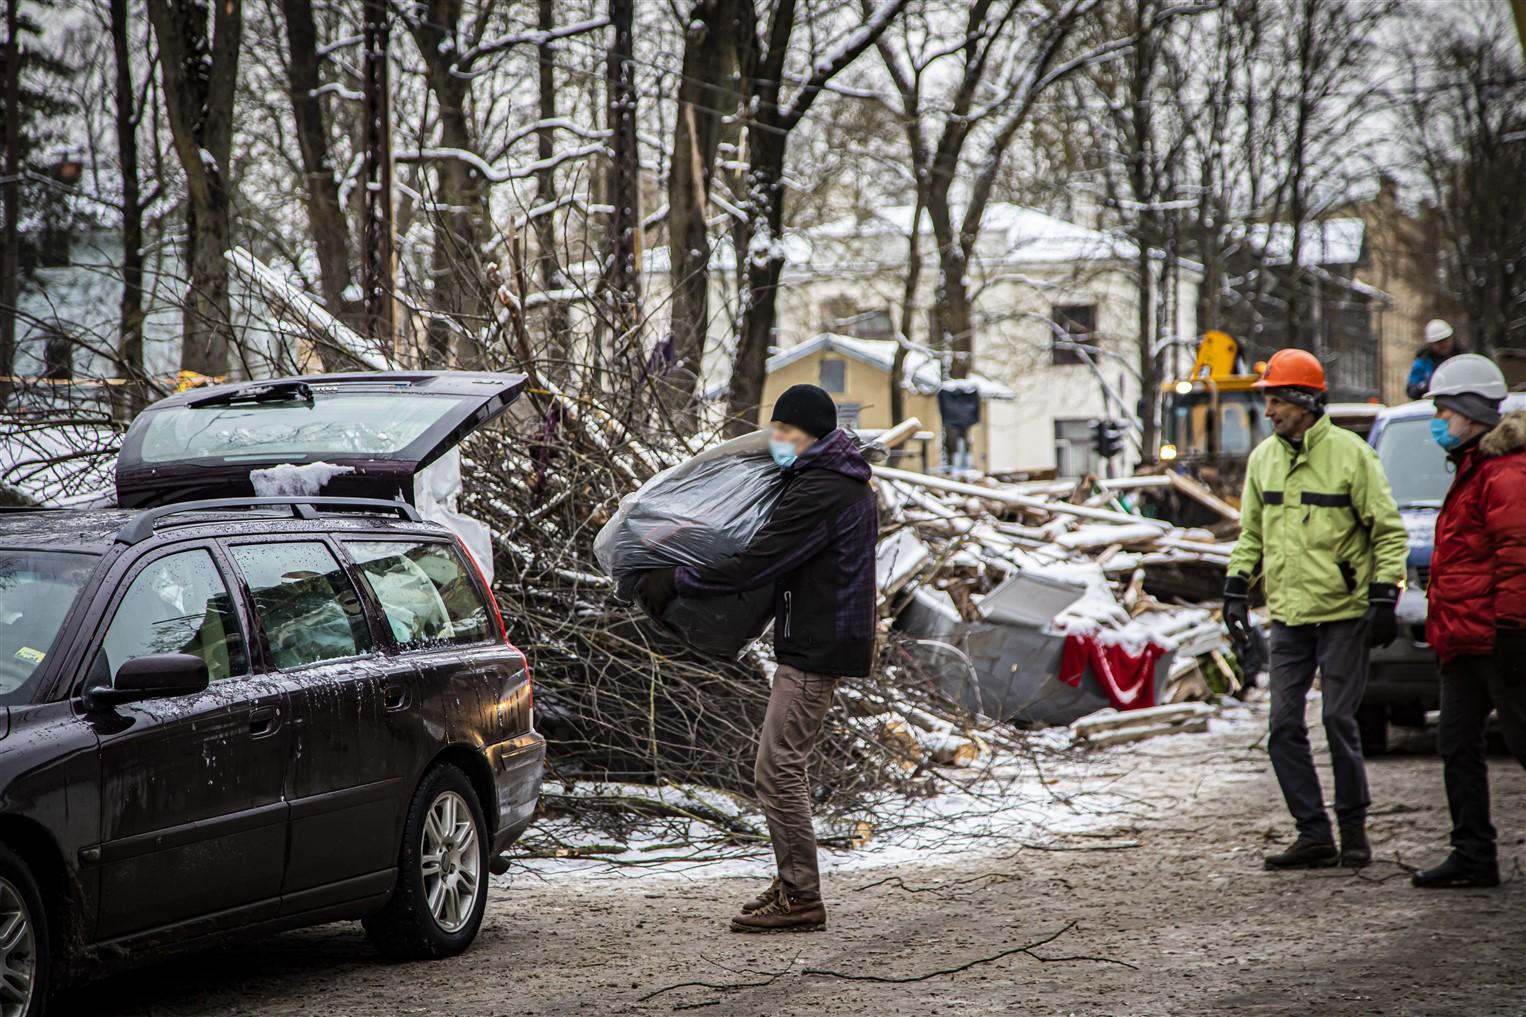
(1293, 368)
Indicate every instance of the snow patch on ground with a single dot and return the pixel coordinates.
(1056, 800)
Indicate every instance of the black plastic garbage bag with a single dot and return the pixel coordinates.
(704, 509)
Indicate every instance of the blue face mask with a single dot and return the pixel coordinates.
(1442, 432)
(783, 453)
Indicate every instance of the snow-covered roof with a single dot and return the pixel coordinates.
(1010, 235)
(1326, 242)
(923, 371)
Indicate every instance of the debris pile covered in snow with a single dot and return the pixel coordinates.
(1042, 602)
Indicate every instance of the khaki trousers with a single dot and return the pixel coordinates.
(796, 708)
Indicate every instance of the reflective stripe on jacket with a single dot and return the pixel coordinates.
(1478, 564)
(1321, 523)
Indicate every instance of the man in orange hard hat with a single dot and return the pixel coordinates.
(1319, 525)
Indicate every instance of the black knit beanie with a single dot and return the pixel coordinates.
(1310, 399)
(809, 408)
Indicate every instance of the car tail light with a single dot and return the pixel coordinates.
(503, 630)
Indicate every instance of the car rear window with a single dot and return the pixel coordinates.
(177, 604)
(373, 423)
(425, 590)
(307, 606)
(36, 591)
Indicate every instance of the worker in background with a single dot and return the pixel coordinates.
(1319, 527)
(817, 549)
(1476, 618)
(1440, 346)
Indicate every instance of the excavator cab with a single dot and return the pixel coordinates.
(1211, 419)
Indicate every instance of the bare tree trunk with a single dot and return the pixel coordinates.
(457, 272)
(134, 395)
(10, 244)
(908, 304)
(762, 263)
(330, 231)
(377, 231)
(558, 326)
(200, 78)
(622, 284)
(761, 258)
(704, 98)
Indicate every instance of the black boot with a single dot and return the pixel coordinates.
(1356, 853)
(1306, 853)
(1457, 872)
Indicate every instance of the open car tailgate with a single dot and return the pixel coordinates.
(357, 435)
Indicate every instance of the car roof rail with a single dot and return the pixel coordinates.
(141, 526)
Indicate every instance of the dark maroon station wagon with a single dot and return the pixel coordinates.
(223, 714)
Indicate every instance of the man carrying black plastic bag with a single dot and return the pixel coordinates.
(818, 549)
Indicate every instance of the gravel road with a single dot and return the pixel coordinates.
(1169, 910)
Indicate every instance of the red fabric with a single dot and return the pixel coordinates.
(1127, 678)
(1478, 564)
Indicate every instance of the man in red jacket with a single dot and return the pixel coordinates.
(1477, 603)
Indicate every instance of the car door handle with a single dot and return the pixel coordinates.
(264, 721)
(395, 697)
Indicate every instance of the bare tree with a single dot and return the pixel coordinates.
(131, 106)
(707, 97)
(1009, 55)
(199, 51)
(764, 63)
(1465, 125)
(621, 282)
(326, 216)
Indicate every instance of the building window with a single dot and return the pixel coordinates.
(847, 415)
(1079, 323)
(834, 375)
(1073, 456)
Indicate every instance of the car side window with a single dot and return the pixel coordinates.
(306, 605)
(178, 604)
(425, 591)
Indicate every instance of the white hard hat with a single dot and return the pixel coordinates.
(1437, 330)
(1468, 373)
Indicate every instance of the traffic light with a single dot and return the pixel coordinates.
(1107, 438)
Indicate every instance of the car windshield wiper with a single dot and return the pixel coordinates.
(275, 392)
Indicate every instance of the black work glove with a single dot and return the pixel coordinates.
(1382, 624)
(1510, 653)
(657, 589)
(1237, 614)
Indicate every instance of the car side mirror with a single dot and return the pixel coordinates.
(156, 676)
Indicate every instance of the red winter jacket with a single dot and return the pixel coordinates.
(1478, 565)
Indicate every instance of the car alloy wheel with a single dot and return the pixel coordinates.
(18, 952)
(451, 861)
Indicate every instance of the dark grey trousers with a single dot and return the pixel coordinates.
(797, 706)
(1470, 688)
(1338, 650)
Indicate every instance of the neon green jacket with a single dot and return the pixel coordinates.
(1319, 524)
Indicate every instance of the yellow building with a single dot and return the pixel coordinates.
(857, 373)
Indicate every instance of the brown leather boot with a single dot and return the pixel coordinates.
(783, 914)
(1356, 853)
(762, 899)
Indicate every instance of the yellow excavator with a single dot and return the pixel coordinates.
(1211, 419)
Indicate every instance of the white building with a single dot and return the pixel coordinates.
(1041, 287)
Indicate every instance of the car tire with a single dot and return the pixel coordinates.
(442, 879)
(25, 949)
(1372, 724)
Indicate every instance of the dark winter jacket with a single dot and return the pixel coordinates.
(1478, 561)
(818, 549)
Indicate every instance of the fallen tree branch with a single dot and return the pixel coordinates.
(1027, 950)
